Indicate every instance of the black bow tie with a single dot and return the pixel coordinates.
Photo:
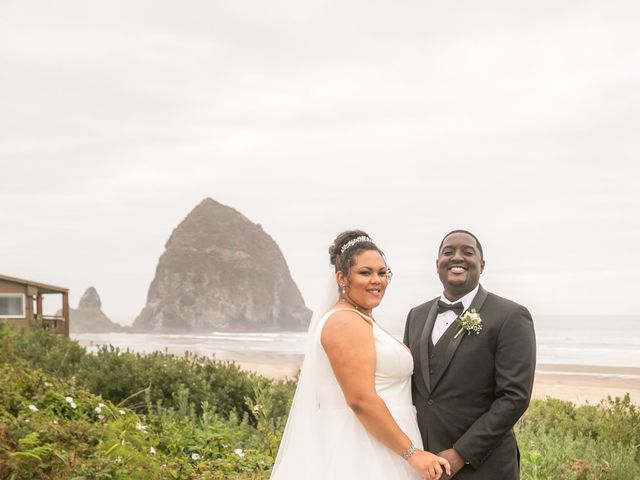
(457, 307)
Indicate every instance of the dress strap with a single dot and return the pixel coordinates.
(367, 318)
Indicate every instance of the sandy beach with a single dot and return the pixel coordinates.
(576, 383)
(274, 367)
(586, 384)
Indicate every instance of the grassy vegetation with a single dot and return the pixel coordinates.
(67, 414)
(591, 442)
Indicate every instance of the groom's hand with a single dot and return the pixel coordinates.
(455, 460)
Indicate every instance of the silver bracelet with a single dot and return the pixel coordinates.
(410, 451)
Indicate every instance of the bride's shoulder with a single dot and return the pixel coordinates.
(346, 324)
(341, 314)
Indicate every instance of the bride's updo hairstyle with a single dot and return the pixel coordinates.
(347, 246)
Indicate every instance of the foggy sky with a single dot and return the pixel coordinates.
(518, 121)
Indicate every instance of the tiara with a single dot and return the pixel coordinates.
(351, 243)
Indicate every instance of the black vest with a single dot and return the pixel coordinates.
(437, 352)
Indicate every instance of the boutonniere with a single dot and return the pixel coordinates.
(469, 322)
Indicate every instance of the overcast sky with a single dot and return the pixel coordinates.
(516, 120)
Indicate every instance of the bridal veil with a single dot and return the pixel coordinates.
(301, 447)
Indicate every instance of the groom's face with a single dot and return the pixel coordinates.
(459, 265)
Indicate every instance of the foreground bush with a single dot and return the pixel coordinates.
(590, 442)
(125, 377)
(53, 429)
(66, 414)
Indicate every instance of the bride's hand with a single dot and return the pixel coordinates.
(428, 465)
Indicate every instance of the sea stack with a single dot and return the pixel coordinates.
(221, 272)
(89, 317)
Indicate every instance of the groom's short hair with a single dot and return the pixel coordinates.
(468, 233)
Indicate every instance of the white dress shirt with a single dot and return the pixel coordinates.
(444, 319)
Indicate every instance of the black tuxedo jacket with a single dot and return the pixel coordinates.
(484, 387)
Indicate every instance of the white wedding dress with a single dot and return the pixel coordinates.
(324, 440)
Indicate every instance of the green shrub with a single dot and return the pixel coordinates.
(124, 377)
(561, 440)
(159, 416)
(50, 428)
(117, 414)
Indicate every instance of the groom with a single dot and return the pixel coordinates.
(470, 388)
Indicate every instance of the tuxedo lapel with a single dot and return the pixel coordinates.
(479, 299)
(424, 344)
(477, 302)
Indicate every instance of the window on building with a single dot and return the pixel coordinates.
(11, 305)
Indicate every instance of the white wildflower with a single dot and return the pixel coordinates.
(239, 452)
(48, 384)
(98, 409)
(122, 412)
(69, 399)
(152, 450)
(101, 417)
(73, 405)
(33, 408)
(195, 456)
(256, 408)
(141, 427)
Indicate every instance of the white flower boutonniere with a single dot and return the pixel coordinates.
(469, 322)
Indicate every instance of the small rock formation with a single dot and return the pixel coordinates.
(89, 317)
(221, 272)
(90, 300)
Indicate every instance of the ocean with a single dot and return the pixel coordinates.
(611, 341)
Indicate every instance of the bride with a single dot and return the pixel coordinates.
(352, 416)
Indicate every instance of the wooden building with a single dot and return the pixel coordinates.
(17, 299)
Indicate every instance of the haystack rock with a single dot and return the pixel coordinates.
(89, 317)
(221, 272)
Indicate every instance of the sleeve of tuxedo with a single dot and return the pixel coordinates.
(514, 370)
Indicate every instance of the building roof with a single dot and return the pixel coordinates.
(42, 287)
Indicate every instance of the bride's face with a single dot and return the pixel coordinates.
(367, 280)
